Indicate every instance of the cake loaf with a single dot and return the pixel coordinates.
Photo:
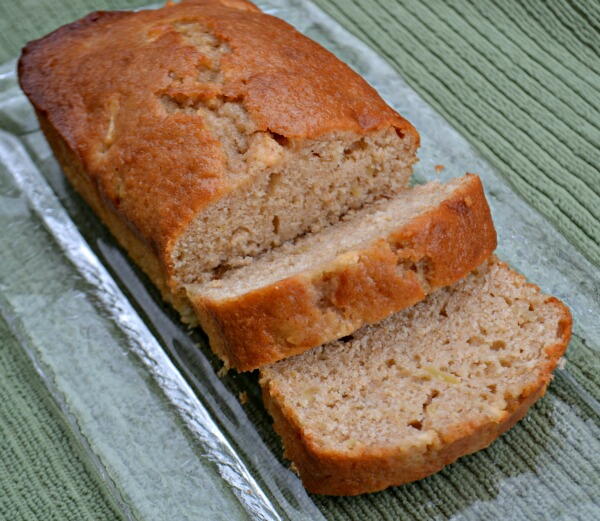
(206, 132)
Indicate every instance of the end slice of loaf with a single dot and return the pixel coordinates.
(377, 261)
(404, 398)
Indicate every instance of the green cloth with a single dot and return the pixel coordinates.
(519, 80)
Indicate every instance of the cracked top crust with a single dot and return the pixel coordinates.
(122, 89)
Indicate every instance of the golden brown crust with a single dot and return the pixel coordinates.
(141, 254)
(370, 470)
(338, 474)
(101, 84)
(359, 287)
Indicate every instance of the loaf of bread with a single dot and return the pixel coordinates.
(262, 186)
(206, 132)
(400, 400)
(376, 261)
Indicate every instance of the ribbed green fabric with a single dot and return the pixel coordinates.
(521, 80)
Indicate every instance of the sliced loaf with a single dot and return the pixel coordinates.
(400, 400)
(378, 260)
(205, 132)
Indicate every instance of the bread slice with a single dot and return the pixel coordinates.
(400, 400)
(205, 132)
(378, 260)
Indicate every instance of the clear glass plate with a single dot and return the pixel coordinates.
(172, 440)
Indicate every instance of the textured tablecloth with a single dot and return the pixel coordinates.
(521, 80)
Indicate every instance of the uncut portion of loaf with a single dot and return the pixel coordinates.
(402, 399)
(206, 132)
(377, 260)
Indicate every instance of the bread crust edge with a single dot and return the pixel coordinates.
(135, 247)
